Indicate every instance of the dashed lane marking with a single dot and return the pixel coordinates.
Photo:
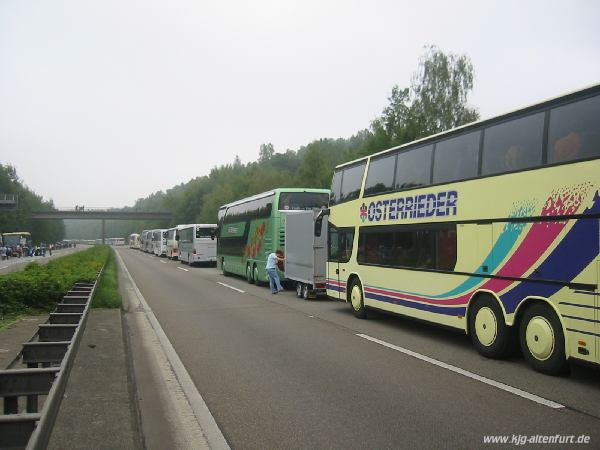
(466, 373)
(231, 287)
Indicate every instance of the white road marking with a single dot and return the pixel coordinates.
(3, 267)
(164, 262)
(181, 268)
(466, 373)
(231, 287)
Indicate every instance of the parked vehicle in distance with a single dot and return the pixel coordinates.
(159, 242)
(134, 240)
(173, 242)
(197, 243)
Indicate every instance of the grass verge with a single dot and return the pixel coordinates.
(107, 291)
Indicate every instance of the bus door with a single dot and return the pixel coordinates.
(339, 253)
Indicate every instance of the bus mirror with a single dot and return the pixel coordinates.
(319, 221)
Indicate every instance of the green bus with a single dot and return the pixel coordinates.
(251, 228)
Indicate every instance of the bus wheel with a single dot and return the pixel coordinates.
(357, 301)
(225, 273)
(256, 277)
(305, 291)
(298, 289)
(489, 333)
(249, 274)
(542, 340)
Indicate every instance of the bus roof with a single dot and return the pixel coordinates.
(504, 116)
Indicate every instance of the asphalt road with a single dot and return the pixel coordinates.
(280, 372)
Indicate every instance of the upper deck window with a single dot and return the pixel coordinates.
(336, 187)
(456, 158)
(414, 168)
(514, 145)
(380, 177)
(574, 131)
(352, 181)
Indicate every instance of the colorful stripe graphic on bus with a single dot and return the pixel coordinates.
(581, 238)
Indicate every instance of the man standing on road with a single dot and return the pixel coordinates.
(272, 262)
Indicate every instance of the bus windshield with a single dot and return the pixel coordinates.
(203, 232)
(297, 201)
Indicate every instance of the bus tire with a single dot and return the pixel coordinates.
(489, 333)
(225, 273)
(356, 299)
(299, 289)
(256, 276)
(542, 340)
(249, 278)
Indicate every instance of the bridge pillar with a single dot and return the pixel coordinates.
(103, 231)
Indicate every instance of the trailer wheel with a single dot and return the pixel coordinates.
(298, 289)
(305, 291)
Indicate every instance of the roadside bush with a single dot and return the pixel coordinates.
(40, 287)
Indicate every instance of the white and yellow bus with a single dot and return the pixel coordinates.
(491, 228)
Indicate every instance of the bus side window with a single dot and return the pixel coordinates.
(574, 131)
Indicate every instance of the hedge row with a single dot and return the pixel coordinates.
(40, 287)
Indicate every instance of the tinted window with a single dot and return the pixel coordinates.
(414, 168)
(336, 187)
(456, 158)
(255, 209)
(340, 244)
(423, 247)
(380, 177)
(513, 145)
(302, 200)
(205, 232)
(574, 131)
(352, 181)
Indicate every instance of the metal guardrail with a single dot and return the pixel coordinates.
(53, 347)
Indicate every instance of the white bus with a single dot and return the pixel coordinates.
(173, 241)
(159, 242)
(144, 238)
(197, 243)
(134, 240)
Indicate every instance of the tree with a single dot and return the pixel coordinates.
(440, 89)
(436, 101)
(266, 152)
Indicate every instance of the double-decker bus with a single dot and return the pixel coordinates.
(197, 243)
(251, 228)
(491, 228)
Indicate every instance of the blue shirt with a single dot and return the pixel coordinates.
(271, 261)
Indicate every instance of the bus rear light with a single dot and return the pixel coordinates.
(320, 285)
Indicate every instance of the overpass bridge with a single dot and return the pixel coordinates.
(102, 214)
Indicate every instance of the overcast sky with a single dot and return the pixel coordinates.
(103, 102)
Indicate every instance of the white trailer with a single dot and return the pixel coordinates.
(306, 252)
